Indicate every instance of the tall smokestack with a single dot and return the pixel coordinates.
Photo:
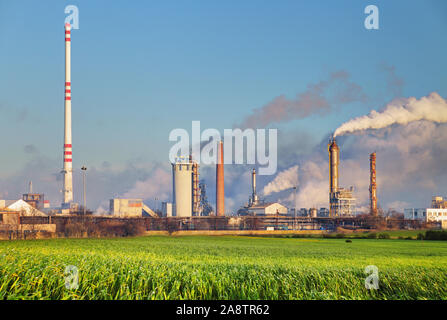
(334, 157)
(372, 184)
(254, 197)
(220, 187)
(67, 191)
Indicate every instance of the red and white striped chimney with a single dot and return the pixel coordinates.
(67, 190)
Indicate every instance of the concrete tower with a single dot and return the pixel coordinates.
(67, 191)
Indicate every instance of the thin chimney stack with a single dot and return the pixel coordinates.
(373, 185)
(67, 191)
(220, 186)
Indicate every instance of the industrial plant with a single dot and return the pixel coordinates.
(189, 208)
(341, 201)
(256, 207)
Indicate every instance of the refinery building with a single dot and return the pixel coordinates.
(341, 200)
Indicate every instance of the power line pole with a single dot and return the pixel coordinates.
(294, 211)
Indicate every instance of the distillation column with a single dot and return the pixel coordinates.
(334, 158)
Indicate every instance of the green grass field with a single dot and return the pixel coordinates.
(394, 234)
(206, 267)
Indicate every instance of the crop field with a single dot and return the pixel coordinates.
(225, 267)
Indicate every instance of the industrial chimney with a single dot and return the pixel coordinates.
(334, 157)
(372, 184)
(67, 191)
(220, 187)
(254, 197)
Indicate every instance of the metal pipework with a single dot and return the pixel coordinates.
(195, 187)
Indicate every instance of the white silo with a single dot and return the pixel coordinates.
(182, 171)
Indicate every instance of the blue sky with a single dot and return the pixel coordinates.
(143, 68)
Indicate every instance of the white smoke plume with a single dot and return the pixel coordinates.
(400, 111)
(158, 184)
(316, 99)
(284, 180)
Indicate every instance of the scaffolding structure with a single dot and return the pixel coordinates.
(342, 203)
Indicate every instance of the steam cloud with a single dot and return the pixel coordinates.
(401, 111)
(284, 180)
(158, 184)
(312, 101)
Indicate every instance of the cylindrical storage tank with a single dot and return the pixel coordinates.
(313, 212)
(183, 189)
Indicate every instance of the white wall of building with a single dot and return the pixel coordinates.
(434, 214)
(268, 208)
(275, 208)
(426, 214)
(21, 206)
(166, 209)
(126, 207)
(415, 214)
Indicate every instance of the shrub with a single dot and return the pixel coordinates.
(133, 228)
(107, 228)
(384, 236)
(435, 235)
(348, 240)
(420, 236)
(75, 229)
(339, 235)
(372, 235)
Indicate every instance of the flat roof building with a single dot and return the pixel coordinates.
(263, 209)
